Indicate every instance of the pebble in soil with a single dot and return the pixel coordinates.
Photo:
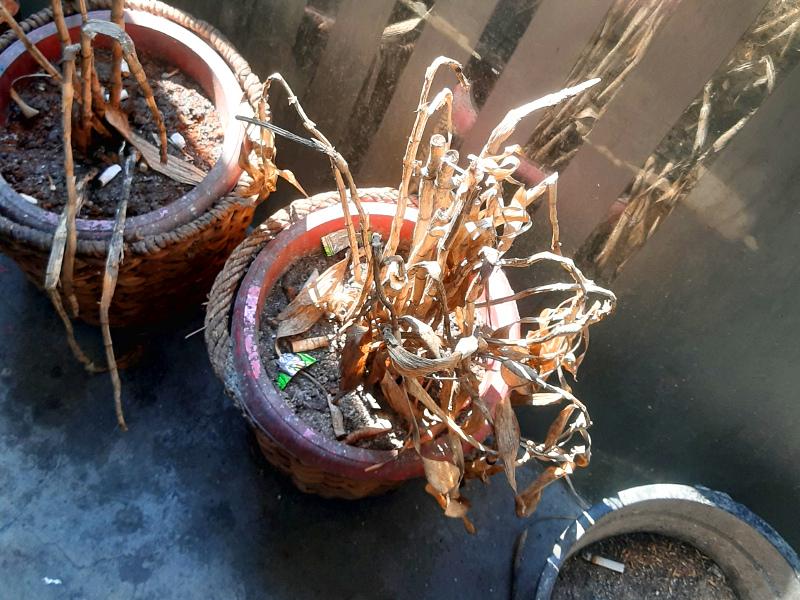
(365, 407)
(656, 567)
(32, 154)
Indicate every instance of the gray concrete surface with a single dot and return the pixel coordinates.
(184, 506)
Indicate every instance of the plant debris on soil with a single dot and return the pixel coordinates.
(656, 566)
(362, 408)
(32, 153)
(413, 319)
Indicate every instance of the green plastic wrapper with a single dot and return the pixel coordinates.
(289, 364)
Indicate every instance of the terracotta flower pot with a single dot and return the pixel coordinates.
(316, 463)
(172, 254)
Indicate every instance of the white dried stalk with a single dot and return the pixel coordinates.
(509, 123)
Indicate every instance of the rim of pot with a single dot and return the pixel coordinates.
(755, 559)
(202, 63)
(263, 403)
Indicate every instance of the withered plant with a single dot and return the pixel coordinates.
(413, 321)
(94, 120)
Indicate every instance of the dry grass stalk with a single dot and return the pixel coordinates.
(71, 207)
(117, 17)
(414, 327)
(114, 258)
(34, 51)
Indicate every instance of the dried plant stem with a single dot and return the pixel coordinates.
(348, 222)
(438, 147)
(514, 116)
(87, 68)
(60, 253)
(55, 298)
(52, 274)
(723, 140)
(117, 17)
(409, 159)
(67, 94)
(34, 51)
(115, 253)
(552, 188)
(61, 25)
(340, 166)
(93, 26)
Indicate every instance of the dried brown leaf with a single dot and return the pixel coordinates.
(506, 433)
(289, 176)
(521, 385)
(353, 362)
(425, 333)
(377, 367)
(396, 396)
(412, 365)
(413, 387)
(557, 428)
(306, 308)
(174, 168)
(528, 500)
(442, 475)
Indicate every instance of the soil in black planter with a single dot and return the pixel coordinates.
(32, 156)
(364, 408)
(656, 567)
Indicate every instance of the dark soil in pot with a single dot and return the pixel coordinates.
(362, 408)
(656, 566)
(32, 156)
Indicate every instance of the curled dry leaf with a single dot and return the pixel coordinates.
(396, 396)
(506, 431)
(528, 500)
(308, 306)
(442, 475)
(353, 361)
(416, 314)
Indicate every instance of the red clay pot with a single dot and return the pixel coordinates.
(264, 405)
(155, 36)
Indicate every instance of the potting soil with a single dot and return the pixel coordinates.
(32, 152)
(655, 567)
(364, 407)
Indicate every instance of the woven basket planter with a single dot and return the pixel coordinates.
(173, 254)
(316, 464)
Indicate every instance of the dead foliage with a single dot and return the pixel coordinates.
(89, 118)
(415, 323)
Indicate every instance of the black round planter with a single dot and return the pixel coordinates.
(757, 562)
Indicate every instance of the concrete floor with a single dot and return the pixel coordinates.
(184, 505)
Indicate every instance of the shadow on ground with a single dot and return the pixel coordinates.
(184, 505)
